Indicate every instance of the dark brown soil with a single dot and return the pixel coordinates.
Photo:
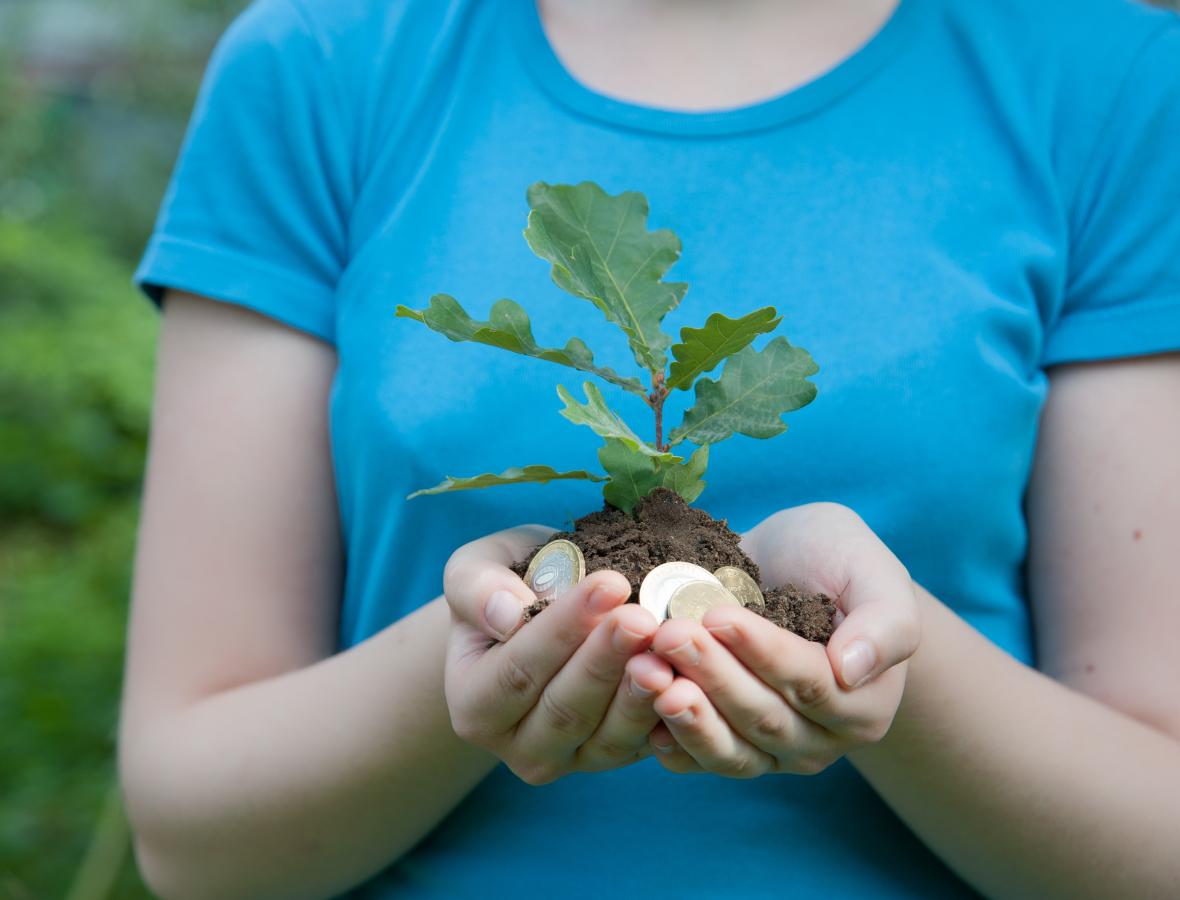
(666, 529)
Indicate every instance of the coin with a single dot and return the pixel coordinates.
(739, 583)
(695, 598)
(660, 583)
(556, 568)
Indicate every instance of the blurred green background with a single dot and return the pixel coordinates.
(93, 99)
(94, 95)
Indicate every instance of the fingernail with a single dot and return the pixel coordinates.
(684, 717)
(687, 653)
(625, 641)
(502, 613)
(857, 662)
(639, 691)
(664, 748)
(602, 599)
(725, 632)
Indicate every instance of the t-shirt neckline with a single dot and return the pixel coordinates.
(553, 77)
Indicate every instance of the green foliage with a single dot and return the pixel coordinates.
(605, 422)
(601, 250)
(633, 476)
(701, 350)
(75, 378)
(508, 328)
(755, 389)
(75, 385)
(529, 474)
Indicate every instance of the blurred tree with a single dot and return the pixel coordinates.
(93, 100)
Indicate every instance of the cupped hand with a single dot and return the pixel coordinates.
(751, 698)
(573, 690)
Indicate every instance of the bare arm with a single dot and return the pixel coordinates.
(1033, 787)
(256, 764)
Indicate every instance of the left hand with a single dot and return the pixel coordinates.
(751, 698)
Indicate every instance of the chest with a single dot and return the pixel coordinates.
(911, 258)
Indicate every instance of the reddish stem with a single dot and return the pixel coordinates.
(656, 401)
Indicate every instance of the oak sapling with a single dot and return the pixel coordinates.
(600, 250)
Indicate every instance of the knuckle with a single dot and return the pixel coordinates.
(470, 729)
(535, 773)
(514, 679)
(741, 766)
(569, 634)
(813, 764)
(638, 712)
(810, 692)
(769, 727)
(611, 748)
(603, 672)
(870, 732)
(563, 718)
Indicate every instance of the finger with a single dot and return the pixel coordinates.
(834, 551)
(671, 755)
(503, 684)
(758, 712)
(882, 625)
(572, 705)
(801, 671)
(797, 669)
(481, 590)
(623, 734)
(705, 736)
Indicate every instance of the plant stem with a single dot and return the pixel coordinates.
(656, 401)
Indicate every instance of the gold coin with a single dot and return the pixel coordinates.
(739, 583)
(556, 568)
(693, 600)
(662, 581)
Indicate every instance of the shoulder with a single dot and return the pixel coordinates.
(1064, 68)
(340, 27)
(1103, 36)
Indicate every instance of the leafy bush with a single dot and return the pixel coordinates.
(75, 381)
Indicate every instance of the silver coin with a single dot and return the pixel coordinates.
(662, 581)
(556, 568)
(694, 599)
(739, 583)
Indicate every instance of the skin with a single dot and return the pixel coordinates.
(245, 776)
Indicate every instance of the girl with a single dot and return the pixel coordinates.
(964, 210)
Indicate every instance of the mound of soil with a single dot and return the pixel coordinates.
(666, 529)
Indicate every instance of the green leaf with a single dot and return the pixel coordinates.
(508, 476)
(686, 479)
(601, 250)
(755, 389)
(633, 476)
(702, 349)
(603, 421)
(508, 328)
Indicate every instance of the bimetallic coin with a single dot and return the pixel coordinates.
(739, 583)
(694, 599)
(662, 581)
(556, 568)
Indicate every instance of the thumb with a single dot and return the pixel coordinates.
(882, 625)
(482, 591)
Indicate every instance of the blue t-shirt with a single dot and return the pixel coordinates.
(983, 190)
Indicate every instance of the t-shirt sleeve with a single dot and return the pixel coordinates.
(256, 210)
(1122, 295)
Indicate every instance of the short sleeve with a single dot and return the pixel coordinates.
(1123, 290)
(256, 210)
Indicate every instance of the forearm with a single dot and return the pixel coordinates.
(1023, 786)
(303, 784)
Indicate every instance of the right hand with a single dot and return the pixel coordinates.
(570, 692)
